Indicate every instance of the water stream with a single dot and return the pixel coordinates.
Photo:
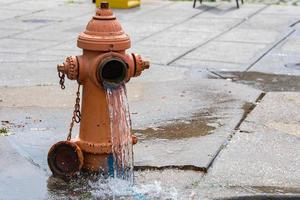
(122, 165)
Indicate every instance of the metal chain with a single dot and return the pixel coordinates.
(61, 80)
(76, 113)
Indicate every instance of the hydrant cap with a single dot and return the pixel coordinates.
(104, 32)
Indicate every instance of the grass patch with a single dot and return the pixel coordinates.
(4, 131)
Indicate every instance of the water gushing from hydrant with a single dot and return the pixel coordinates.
(120, 123)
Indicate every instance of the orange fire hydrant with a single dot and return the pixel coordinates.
(104, 64)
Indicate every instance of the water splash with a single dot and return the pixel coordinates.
(122, 165)
(114, 188)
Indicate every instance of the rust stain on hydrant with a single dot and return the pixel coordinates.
(103, 64)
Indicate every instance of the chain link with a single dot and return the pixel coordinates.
(76, 113)
(61, 80)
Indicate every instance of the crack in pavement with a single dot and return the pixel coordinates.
(236, 129)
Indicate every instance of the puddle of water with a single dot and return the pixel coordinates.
(265, 82)
(277, 190)
(199, 125)
(121, 133)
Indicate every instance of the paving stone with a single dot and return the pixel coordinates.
(18, 75)
(165, 16)
(8, 14)
(278, 63)
(177, 39)
(270, 22)
(282, 115)
(24, 46)
(250, 35)
(229, 10)
(15, 183)
(291, 45)
(33, 5)
(23, 25)
(144, 30)
(5, 2)
(211, 25)
(266, 152)
(154, 53)
(209, 65)
(13, 57)
(6, 33)
(231, 52)
(282, 10)
(267, 158)
(57, 32)
(283, 59)
(63, 12)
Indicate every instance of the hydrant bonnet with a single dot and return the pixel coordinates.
(104, 33)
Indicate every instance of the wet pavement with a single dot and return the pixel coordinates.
(216, 115)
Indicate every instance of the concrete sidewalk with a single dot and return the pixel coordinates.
(221, 97)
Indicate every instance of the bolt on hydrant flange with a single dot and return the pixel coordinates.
(103, 64)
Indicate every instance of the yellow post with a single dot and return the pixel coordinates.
(120, 3)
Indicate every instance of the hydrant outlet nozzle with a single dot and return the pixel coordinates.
(146, 65)
(140, 64)
(69, 67)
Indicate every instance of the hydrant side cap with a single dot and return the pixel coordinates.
(104, 33)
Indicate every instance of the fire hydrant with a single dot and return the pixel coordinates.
(103, 64)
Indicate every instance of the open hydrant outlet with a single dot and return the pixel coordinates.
(112, 72)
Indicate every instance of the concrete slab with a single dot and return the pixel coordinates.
(266, 150)
(283, 59)
(228, 10)
(211, 25)
(24, 46)
(250, 35)
(209, 65)
(144, 30)
(62, 12)
(291, 45)
(8, 14)
(154, 53)
(282, 115)
(33, 5)
(23, 25)
(165, 15)
(56, 32)
(8, 32)
(282, 10)
(231, 52)
(15, 183)
(278, 63)
(258, 160)
(270, 22)
(9, 58)
(177, 39)
(263, 153)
